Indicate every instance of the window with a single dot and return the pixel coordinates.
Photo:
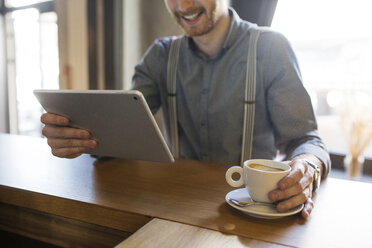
(333, 43)
(32, 62)
(21, 3)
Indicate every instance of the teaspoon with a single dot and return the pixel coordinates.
(248, 203)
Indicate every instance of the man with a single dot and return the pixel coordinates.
(210, 79)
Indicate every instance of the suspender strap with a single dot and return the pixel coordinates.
(249, 97)
(171, 88)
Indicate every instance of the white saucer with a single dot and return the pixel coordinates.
(258, 211)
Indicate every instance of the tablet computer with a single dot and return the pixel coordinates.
(120, 121)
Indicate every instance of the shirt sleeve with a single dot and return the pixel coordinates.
(149, 74)
(289, 105)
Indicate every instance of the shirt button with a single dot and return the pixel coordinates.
(203, 123)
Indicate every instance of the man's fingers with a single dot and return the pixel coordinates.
(52, 119)
(294, 201)
(69, 152)
(295, 189)
(51, 131)
(306, 211)
(66, 143)
(298, 171)
(74, 155)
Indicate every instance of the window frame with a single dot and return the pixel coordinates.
(43, 7)
(10, 95)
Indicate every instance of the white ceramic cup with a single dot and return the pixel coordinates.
(258, 182)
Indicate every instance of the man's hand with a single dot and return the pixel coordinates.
(296, 188)
(66, 142)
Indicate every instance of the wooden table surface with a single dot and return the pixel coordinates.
(124, 195)
(163, 233)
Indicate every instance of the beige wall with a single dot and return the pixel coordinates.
(131, 39)
(144, 21)
(157, 22)
(73, 43)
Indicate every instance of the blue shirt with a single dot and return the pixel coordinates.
(210, 97)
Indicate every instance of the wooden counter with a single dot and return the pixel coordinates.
(103, 202)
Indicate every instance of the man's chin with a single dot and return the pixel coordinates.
(196, 33)
(189, 32)
(192, 35)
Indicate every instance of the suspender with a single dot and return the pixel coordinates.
(249, 96)
(171, 88)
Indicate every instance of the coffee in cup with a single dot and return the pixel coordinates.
(264, 167)
(259, 176)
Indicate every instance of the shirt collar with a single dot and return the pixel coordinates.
(233, 29)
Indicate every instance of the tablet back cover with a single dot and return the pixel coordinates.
(120, 121)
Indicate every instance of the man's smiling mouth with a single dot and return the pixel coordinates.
(190, 16)
(193, 16)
